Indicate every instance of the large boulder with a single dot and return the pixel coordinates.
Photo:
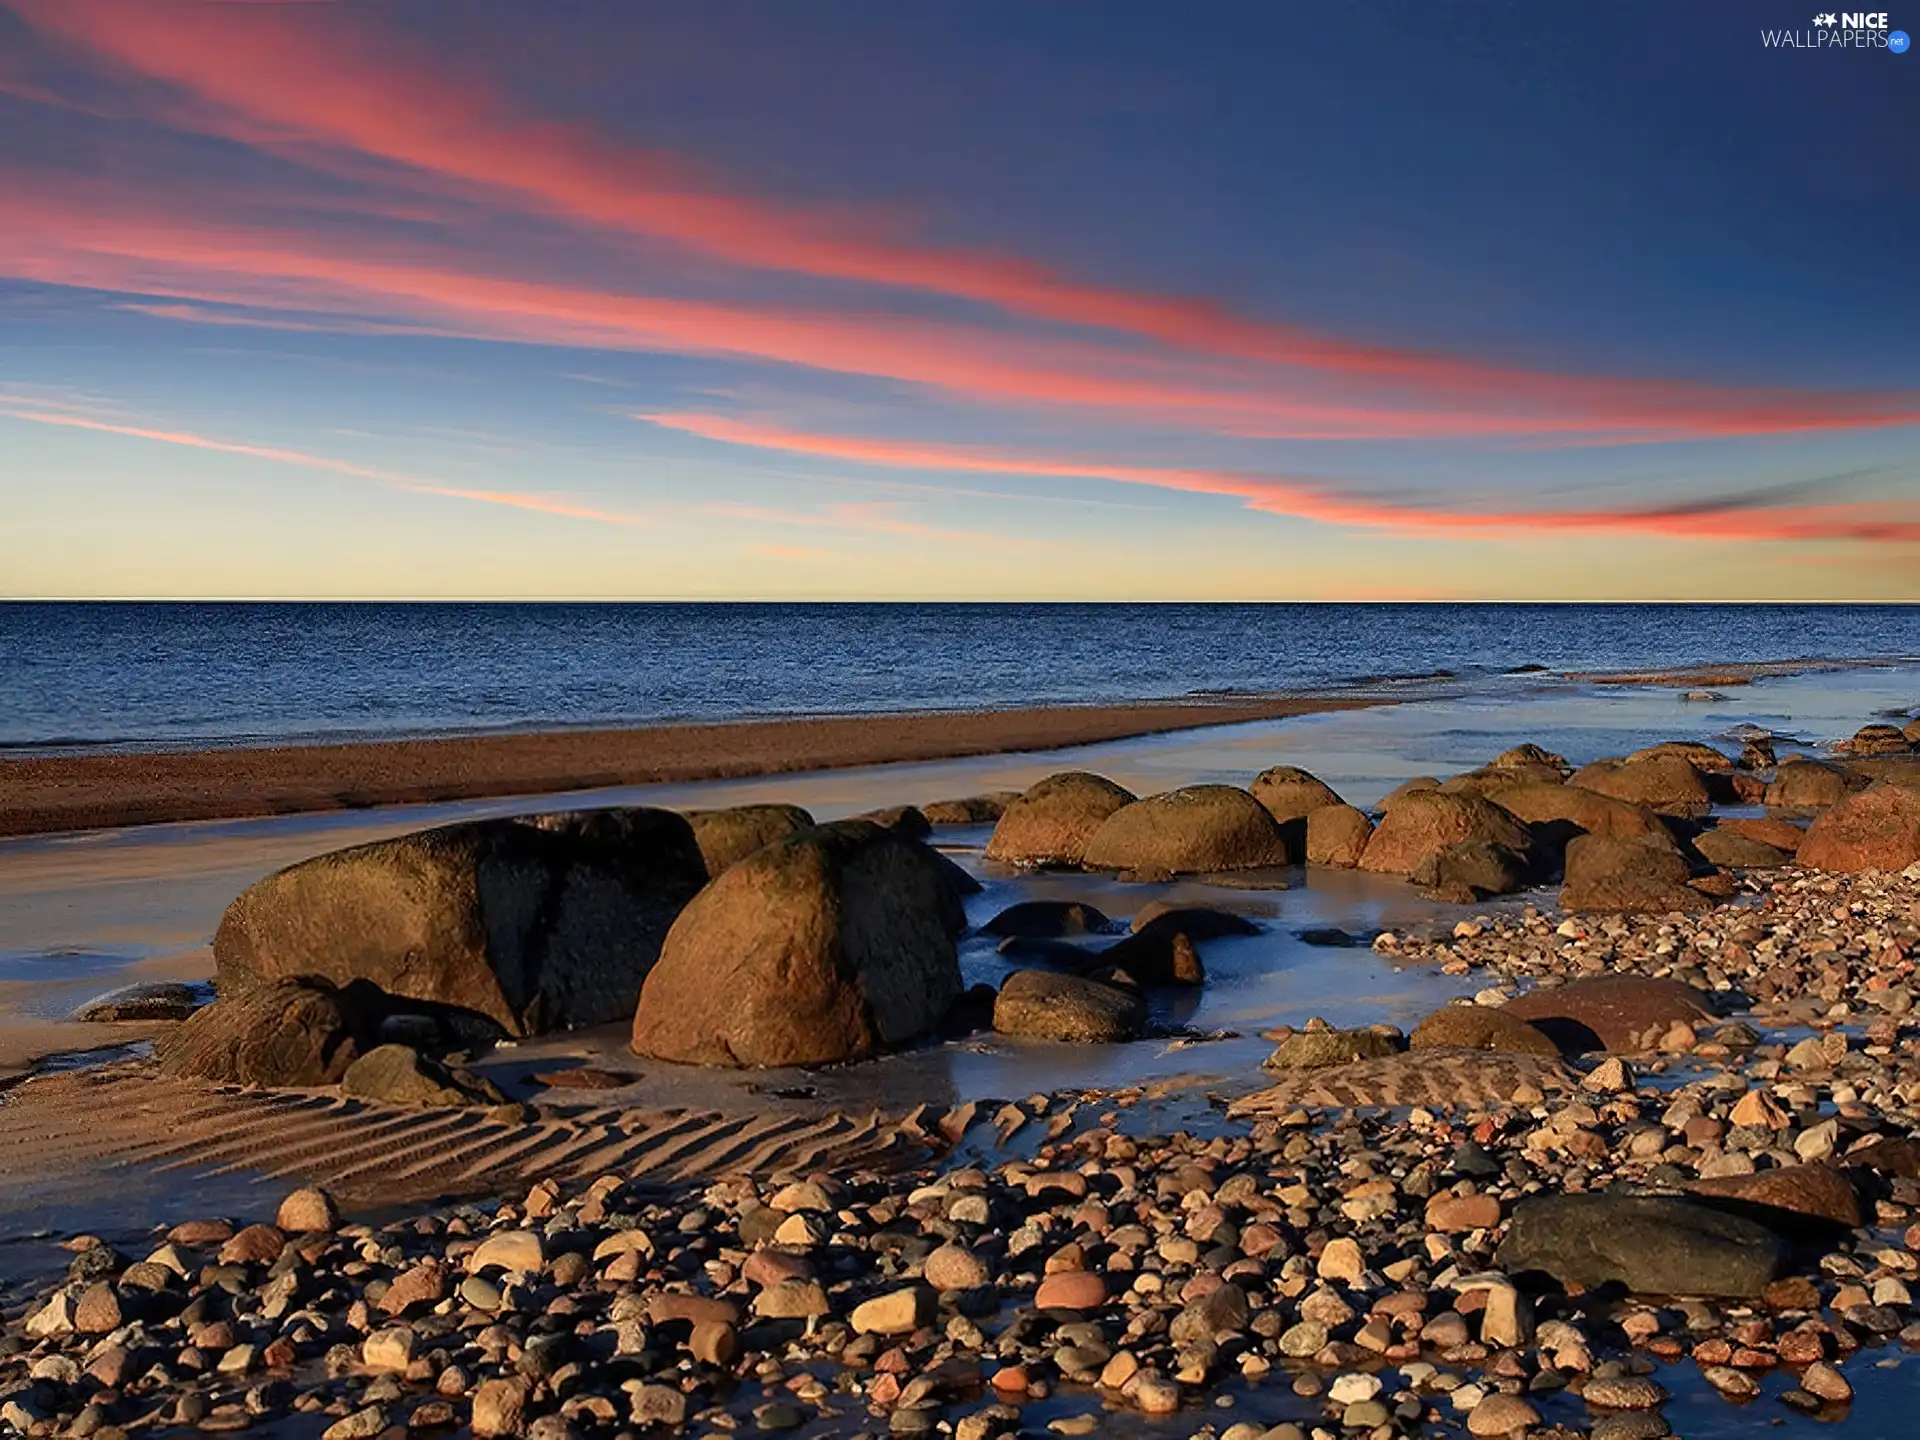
(1653, 1245)
(1666, 783)
(1337, 835)
(400, 1075)
(834, 944)
(1624, 1014)
(1878, 829)
(1704, 758)
(1471, 870)
(1491, 779)
(1290, 793)
(1201, 829)
(536, 924)
(1421, 823)
(1161, 954)
(1804, 785)
(1557, 814)
(1042, 1005)
(1048, 919)
(282, 1033)
(1876, 740)
(969, 809)
(1052, 823)
(1645, 876)
(1768, 830)
(1787, 1196)
(1529, 757)
(1911, 732)
(1731, 849)
(1480, 1027)
(726, 837)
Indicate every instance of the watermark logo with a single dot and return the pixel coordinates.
(1842, 30)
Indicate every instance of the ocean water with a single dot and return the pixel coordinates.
(171, 674)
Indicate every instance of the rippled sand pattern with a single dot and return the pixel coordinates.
(1434, 1078)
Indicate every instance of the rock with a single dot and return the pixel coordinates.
(163, 1000)
(1703, 757)
(536, 923)
(1639, 876)
(1665, 783)
(1317, 1049)
(1721, 846)
(1878, 829)
(1781, 834)
(1822, 1380)
(1558, 814)
(1876, 740)
(1052, 823)
(1450, 1214)
(954, 1267)
(1805, 785)
(726, 837)
(792, 1300)
(400, 1075)
(1342, 1261)
(586, 1077)
(1502, 1415)
(907, 820)
(518, 1252)
(831, 945)
(1289, 793)
(1080, 1290)
(1480, 1027)
(1816, 1192)
(1219, 1313)
(899, 1312)
(308, 1212)
(255, 1245)
(286, 1033)
(1337, 835)
(1624, 1392)
(970, 810)
(388, 1349)
(1199, 922)
(1423, 822)
(1625, 1014)
(499, 1408)
(1041, 1005)
(97, 1311)
(1197, 830)
(1156, 956)
(1652, 1245)
(1471, 869)
(1490, 779)
(361, 1424)
(1048, 919)
(1529, 756)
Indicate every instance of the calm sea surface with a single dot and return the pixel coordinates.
(174, 674)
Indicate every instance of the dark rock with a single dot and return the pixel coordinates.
(1806, 785)
(1652, 1245)
(1775, 1197)
(1472, 868)
(1158, 955)
(1044, 919)
(1720, 846)
(1317, 1049)
(397, 1075)
(288, 1033)
(1640, 876)
(1041, 1005)
(1625, 1014)
(970, 809)
(907, 820)
(1480, 1027)
(162, 1000)
(726, 837)
(1198, 922)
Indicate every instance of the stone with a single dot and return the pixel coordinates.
(792, 1300)
(1822, 1380)
(1624, 1392)
(1643, 876)
(362, 1424)
(1624, 1014)
(1800, 786)
(1559, 814)
(308, 1212)
(1703, 757)
(1814, 1192)
(1071, 1290)
(1157, 956)
(1053, 821)
(1042, 1005)
(1423, 822)
(1729, 848)
(1782, 835)
(535, 923)
(388, 1349)
(1502, 1415)
(255, 1245)
(834, 944)
(518, 1252)
(1668, 784)
(144, 1003)
(969, 809)
(1450, 1214)
(1200, 829)
(1877, 829)
(1876, 740)
(899, 1312)
(1288, 793)
(1198, 922)
(714, 1342)
(1480, 1027)
(1756, 1110)
(955, 1267)
(1317, 1049)
(499, 1408)
(97, 1311)
(1342, 1260)
(1471, 870)
(726, 837)
(1337, 836)
(1652, 1245)
(1048, 919)
(289, 1033)
(400, 1075)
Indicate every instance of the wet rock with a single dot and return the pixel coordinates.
(1197, 830)
(286, 1034)
(1807, 785)
(1666, 783)
(1646, 876)
(1472, 869)
(1720, 846)
(1480, 1027)
(1652, 1245)
(1159, 955)
(1878, 829)
(1053, 821)
(726, 837)
(1041, 1005)
(969, 809)
(1048, 919)
(834, 944)
(149, 1002)
(400, 1075)
(1198, 922)
(1423, 822)
(1337, 836)
(1316, 1049)
(1625, 1014)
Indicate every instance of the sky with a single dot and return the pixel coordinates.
(1084, 300)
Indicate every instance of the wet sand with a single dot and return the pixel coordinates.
(84, 792)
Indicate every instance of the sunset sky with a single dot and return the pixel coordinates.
(1074, 300)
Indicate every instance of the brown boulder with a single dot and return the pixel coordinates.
(1665, 783)
(1158, 955)
(1422, 822)
(1480, 1027)
(1803, 785)
(1626, 1014)
(1407, 787)
(1471, 870)
(1320, 1049)
(1911, 732)
(1197, 830)
(970, 809)
(907, 820)
(1046, 919)
(1489, 780)
(834, 944)
(1815, 1192)
(1337, 835)
(1878, 829)
(1875, 740)
(1704, 758)
(1644, 876)
(1528, 757)
(1202, 922)
(1721, 846)
(1051, 823)
(1289, 793)
(726, 837)
(1041, 1005)
(536, 923)
(1768, 830)
(287, 1032)
(1557, 814)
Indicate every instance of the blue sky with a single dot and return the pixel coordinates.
(1071, 301)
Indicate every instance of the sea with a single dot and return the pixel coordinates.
(134, 676)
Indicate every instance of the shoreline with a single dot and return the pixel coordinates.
(64, 793)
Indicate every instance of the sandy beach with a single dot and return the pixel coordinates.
(85, 792)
